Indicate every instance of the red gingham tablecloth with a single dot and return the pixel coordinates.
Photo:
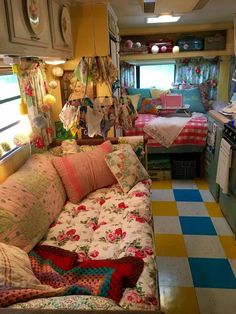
(194, 132)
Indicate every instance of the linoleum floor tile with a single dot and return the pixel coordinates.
(164, 208)
(178, 300)
(201, 184)
(170, 245)
(206, 196)
(216, 301)
(221, 226)
(233, 265)
(162, 195)
(191, 209)
(204, 246)
(213, 209)
(167, 225)
(174, 271)
(184, 184)
(228, 243)
(165, 184)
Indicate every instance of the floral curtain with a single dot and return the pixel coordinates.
(197, 71)
(33, 87)
(127, 75)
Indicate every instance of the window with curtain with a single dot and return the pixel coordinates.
(9, 111)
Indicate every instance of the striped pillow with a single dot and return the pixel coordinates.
(84, 172)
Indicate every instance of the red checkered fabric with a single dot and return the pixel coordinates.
(194, 132)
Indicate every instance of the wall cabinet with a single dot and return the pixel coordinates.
(28, 24)
(34, 28)
(91, 28)
(60, 25)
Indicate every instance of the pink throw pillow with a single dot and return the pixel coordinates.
(84, 172)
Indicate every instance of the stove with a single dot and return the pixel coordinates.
(229, 134)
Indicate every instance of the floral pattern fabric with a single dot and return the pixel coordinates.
(126, 168)
(30, 199)
(197, 71)
(111, 224)
(33, 87)
(72, 302)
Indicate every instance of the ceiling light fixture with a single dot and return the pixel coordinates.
(55, 62)
(163, 19)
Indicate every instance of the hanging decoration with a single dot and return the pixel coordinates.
(57, 71)
(52, 84)
(96, 115)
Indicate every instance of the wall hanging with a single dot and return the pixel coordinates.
(96, 115)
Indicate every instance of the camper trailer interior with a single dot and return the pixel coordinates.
(118, 156)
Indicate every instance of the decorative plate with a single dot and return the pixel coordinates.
(66, 25)
(33, 14)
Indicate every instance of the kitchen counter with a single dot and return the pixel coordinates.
(218, 116)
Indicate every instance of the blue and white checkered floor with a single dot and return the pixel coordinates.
(195, 249)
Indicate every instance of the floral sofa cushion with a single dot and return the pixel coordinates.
(126, 167)
(30, 200)
(70, 302)
(109, 224)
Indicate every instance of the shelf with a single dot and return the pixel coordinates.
(175, 34)
(187, 54)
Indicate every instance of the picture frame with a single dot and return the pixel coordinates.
(72, 89)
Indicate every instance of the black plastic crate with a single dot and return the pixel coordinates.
(184, 167)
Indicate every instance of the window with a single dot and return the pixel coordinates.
(159, 76)
(9, 110)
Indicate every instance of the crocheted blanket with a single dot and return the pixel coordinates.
(105, 278)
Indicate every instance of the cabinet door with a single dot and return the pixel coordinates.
(28, 22)
(211, 161)
(60, 25)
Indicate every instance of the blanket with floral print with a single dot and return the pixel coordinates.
(109, 224)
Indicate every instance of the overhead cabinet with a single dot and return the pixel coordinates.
(35, 28)
(28, 22)
(60, 25)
